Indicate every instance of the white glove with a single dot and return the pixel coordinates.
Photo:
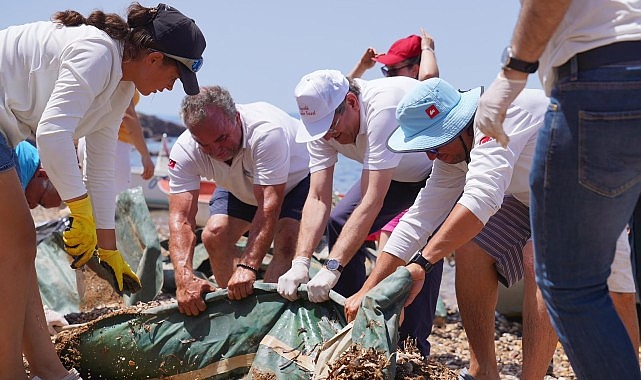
(493, 107)
(318, 287)
(296, 275)
(55, 320)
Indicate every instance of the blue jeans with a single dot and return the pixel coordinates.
(419, 316)
(8, 157)
(585, 182)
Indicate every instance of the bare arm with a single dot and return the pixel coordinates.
(261, 233)
(459, 228)
(386, 264)
(374, 186)
(365, 63)
(182, 223)
(428, 67)
(315, 212)
(132, 124)
(538, 20)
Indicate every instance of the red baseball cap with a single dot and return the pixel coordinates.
(405, 48)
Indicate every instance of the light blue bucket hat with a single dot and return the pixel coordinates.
(431, 115)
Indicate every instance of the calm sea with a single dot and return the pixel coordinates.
(347, 171)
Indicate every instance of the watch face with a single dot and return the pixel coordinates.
(505, 56)
(332, 264)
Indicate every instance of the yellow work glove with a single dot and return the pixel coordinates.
(80, 236)
(125, 277)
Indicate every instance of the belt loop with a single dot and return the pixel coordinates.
(574, 68)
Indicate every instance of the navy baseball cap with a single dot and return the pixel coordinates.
(178, 37)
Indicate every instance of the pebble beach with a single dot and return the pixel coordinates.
(448, 338)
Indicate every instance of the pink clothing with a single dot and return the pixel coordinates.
(389, 227)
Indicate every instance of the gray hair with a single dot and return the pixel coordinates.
(193, 109)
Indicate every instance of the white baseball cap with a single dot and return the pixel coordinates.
(318, 94)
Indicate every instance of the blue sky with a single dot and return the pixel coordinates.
(260, 49)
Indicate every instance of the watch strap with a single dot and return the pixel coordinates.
(519, 65)
(422, 261)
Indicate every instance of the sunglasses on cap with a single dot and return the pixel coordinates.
(192, 64)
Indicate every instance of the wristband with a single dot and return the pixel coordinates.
(248, 267)
(428, 49)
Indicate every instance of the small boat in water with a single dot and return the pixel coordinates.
(156, 189)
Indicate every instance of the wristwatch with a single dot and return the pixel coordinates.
(509, 62)
(422, 261)
(333, 264)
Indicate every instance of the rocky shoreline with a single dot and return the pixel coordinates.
(448, 339)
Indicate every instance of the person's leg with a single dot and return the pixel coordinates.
(477, 294)
(419, 315)
(622, 288)
(285, 238)
(539, 339)
(17, 255)
(585, 182)
(286, 232)
(625, 305)
(223, 231)
(38, 348)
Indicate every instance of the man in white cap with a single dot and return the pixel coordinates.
(478, 193)
(354, 118)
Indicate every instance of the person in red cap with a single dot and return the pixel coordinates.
(412, 56)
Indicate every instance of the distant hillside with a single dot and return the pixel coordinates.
(154, 127)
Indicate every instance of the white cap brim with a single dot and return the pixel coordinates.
(314, 130)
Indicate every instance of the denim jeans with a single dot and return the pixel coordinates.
(8, 157)
(585, 182)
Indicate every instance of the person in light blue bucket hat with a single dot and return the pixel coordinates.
(475, 203)
(433, 116)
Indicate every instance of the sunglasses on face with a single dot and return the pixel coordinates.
(393, 71)
(192, 64)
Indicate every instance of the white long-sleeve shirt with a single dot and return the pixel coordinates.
(492, 173)
(59, 83)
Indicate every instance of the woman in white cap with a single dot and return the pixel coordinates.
(60, 80)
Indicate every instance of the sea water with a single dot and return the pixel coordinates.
(346, 172)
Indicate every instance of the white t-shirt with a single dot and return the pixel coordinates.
(492, 173)
(59, 83)
(269, 156)
(586, 25)
(378, 100)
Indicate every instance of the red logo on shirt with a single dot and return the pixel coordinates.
(485, 139)
(171, 164)
(432, 111)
